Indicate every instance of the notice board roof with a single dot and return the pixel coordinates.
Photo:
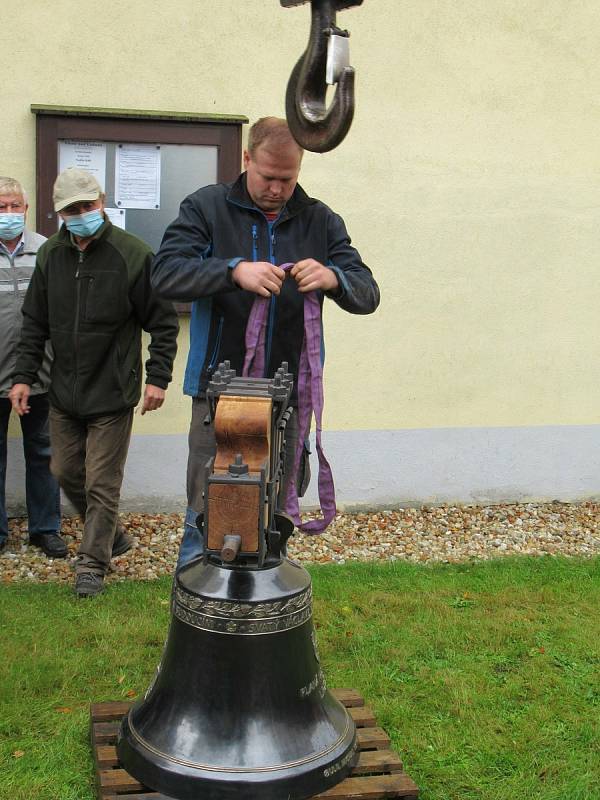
(136, 113)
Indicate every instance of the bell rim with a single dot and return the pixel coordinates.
(245, 770)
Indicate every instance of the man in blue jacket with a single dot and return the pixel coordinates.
(225, 248)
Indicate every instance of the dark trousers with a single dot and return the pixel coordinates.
(88, 458)
(202, 447)
(42, 494)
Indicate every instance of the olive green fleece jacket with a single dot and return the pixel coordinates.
(93, 305)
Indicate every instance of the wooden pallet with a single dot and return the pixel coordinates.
(378, 773)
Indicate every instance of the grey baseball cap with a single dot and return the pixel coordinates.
(74, 186)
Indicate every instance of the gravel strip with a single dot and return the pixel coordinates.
(448, 534)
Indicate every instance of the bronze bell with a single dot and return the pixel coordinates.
(239, 708)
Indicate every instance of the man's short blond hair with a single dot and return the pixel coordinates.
(271, 132)
(12, 186)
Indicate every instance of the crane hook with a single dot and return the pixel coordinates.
(325, 61)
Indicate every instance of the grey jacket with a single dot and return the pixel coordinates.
(16, 270)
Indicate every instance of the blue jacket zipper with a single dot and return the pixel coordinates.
(254, 243)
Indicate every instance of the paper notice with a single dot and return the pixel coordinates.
(90, 156)
(116, 216)
(137, 176)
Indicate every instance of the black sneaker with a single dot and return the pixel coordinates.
(122, 543)
(3, 543)
(89, 584)
(52, 544)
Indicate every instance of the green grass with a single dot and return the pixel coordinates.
(487, 675)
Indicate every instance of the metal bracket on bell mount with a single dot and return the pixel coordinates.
(242, 525)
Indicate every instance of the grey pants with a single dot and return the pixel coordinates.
(88, 460)
(202, 447)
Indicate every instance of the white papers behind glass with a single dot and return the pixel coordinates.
(90, 156)
(116, 216)
(137, 176)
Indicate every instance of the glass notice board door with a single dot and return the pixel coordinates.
(178, 153)
(176, 171)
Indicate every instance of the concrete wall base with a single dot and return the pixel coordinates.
(379, 469)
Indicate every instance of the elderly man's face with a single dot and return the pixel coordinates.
(272, 175)
(82, 207)
(12, 204)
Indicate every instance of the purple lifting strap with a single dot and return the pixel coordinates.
(310, 399)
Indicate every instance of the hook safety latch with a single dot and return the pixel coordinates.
(338, 54)
(326, 61)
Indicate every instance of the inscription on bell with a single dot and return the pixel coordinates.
(318, 684)
(343, 762)
(248, 626)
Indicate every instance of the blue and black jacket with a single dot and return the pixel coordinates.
(219, 226)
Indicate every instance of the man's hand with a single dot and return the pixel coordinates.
(154, 397)
(310, 274)
(19, 397)
(259, 277)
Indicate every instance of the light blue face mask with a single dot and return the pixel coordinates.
(85, 225)
(11, 226)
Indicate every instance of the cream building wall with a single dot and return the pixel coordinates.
(469, 182)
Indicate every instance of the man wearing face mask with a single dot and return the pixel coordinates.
(18, 248)
(90, 294)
